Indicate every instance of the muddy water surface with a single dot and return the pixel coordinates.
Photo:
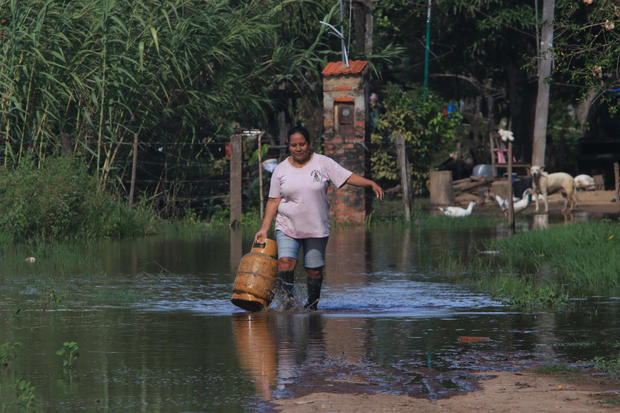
(156, 330)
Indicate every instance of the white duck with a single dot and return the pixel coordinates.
(523, 203)
(518, 205)
(454, 211)
(503, 203)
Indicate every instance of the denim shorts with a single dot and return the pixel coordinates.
(314, 249)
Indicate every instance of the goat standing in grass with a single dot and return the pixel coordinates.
(546, 184)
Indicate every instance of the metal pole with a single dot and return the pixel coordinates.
(426, 51)
(511, 208)
(345, 58)
(260, 176)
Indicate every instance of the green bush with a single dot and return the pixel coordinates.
(60, 200)
(429, 135)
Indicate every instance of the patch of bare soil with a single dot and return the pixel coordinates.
(500, 392)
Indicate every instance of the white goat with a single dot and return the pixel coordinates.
(585, 182)
(545, 184)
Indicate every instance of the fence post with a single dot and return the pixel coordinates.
(133, 169)
(617, 181)
(236, 152)
(511, 207)
(404, 175)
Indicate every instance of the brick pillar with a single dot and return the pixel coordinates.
(345, 140)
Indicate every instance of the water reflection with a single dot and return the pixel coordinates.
(286, 354)
(274, 348)
(236, 251)
(540, 221)
(156, 328)
(347, 258)
(256, 349)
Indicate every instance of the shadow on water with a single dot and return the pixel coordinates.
(157, 331)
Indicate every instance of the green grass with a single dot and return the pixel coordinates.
(610, 367)
(557, 368)
(582, 259)
(547, 267)
(613, 402)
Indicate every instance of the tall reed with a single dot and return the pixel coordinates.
(84, 76)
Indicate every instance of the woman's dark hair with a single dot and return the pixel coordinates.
(298, 129)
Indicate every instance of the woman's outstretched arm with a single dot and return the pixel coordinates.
(357, 180)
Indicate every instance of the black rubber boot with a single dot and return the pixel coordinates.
(314, 292)
(286, 284)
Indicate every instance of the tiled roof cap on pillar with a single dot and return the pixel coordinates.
(337, 68)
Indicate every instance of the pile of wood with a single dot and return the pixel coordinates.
(444, 191)
(473, 185)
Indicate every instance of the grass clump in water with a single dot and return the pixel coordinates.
(549, 266)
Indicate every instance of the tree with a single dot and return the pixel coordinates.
(587, 46)
(544, 71)
(428, 134)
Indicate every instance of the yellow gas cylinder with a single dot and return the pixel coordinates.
(256, 276)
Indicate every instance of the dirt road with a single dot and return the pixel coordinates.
(524, 392)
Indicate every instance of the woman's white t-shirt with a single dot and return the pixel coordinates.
(304, 209)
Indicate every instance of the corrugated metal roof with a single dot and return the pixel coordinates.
(337, 68)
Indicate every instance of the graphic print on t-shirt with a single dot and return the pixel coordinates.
(316, 175)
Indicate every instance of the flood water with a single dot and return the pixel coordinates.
(157, 332)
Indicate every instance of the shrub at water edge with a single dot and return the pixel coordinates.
(59, 200)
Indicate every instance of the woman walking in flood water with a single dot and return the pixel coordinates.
(298, 202)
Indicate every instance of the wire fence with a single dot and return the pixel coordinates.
(176, 176)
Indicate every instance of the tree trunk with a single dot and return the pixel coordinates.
(583, 108)
(544, 73)
(491, 122)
